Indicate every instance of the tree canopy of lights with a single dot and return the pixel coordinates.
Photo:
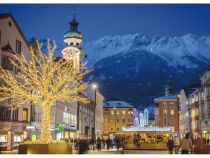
(42, 80)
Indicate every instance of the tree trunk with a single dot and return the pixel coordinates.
(45, 137)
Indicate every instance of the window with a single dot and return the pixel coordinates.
(111, 129)
(118, 120)
(118, 129)
(77, 44)
(164, 105)
(117, 112)
(18, 47)
(5, 113)
(24, 114)
(123, 112)
(171, 105)
(71, 43)
(112, 112)
(6, 63)
(15, 114)
(172, 118)
(164, 118)
(123, 119)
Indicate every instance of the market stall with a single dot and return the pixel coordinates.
(146, 138)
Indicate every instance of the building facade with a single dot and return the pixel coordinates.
(13, 122)
(194, 112)
(166, 112)
(204, 104)
(189, 110)
(118, 114)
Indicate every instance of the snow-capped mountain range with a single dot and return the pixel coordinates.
(136, 67)
(171, 49)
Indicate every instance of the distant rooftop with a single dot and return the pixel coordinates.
(167, 97)
(117, 104)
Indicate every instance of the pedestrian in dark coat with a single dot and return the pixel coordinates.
(170, 145)
(98, 144)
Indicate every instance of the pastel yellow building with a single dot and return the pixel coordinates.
(117, 114)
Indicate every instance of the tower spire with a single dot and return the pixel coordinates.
(74, 24)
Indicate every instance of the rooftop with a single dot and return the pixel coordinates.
(167, 97)
(117, 104)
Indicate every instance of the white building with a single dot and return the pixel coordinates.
(141, 119)
(13, 123)
(146, 117)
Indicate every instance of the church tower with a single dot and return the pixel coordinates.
(73, 41)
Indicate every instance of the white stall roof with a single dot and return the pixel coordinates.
(146, 129)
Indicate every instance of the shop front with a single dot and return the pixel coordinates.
(205, 133)
(152, 138)
(10, 140)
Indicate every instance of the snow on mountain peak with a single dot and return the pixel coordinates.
(174, 50)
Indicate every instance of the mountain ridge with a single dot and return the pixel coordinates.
(142, 65)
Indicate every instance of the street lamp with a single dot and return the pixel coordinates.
(94, 86)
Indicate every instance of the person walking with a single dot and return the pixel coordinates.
(98, 144)
(204, 147)
(186, 144)
(108, 143)
(176, 144)
(170, 145)
(197, 145)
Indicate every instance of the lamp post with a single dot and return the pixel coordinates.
(94, 86)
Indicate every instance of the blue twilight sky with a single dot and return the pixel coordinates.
(97, 20)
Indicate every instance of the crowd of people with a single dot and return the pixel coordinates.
(83, 145)
(188, 145)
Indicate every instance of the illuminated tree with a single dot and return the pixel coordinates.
(42, 80)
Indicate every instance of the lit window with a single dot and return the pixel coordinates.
(112, 112)
(24, 114)
(172, 112)
(117, 112)
(123, 112)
